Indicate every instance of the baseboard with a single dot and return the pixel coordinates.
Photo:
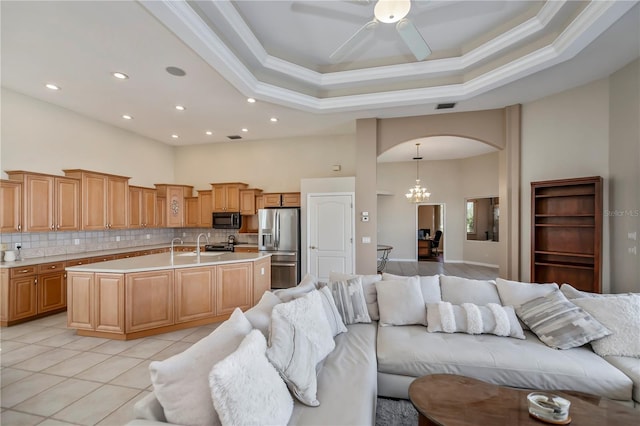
(488, 265)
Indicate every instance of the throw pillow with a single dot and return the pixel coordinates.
(621, 315)
(400, 302)
(573, 293)
(514, 293)
(260, 315)
(294, 356)
(559, 323)
(349, 299)
(458, 290)
(246, 389)
(180, 382)
(331, 311)
(430, 286)
(307, 284)
(473, 319)
(368, 287)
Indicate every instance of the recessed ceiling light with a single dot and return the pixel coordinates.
(120, 75)
(174, 136)
(178, 72)
(244, 129)
(127, 117)
(208, 132)
(251, 100)
(274, 119)
(52, 86)
(180, 108)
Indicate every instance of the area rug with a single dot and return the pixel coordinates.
(395, 412)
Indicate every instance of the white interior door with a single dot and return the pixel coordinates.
(330, 229)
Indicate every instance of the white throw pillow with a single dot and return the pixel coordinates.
(368, 287)
(260, 315)
(430, 286)
(621, 315)
(400, 302)
(307, 284)
(349, 299)
(331, 311)
(458, 290)
(473, 319)
(180, 382)
(515, 293)
(247, 390)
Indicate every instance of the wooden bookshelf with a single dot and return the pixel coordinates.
(566, 232)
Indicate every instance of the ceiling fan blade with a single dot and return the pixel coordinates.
(356, 38)
(413, 39)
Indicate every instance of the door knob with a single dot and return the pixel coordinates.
(312, 247)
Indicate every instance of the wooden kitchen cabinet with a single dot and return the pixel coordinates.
(50, 203)
(104, 200)
(161, 212)
(109, 303)
(174, 196)
(195, 293)
(11, 206)
(142, 207)
(191, 212)
(281, 199)
(234, 285)
(261, 278)
(248, 205)
(80, 300)
(226, 196)
(205, 203)
(52, 287)
(23, 296)
(148, 300)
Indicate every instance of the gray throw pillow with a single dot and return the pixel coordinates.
(559, 323)
(349, 299)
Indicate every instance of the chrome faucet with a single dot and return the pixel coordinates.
(198, 245)
(172, 250)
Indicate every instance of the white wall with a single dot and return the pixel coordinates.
(40, 137)
(565, 136)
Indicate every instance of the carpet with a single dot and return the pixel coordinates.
(395, 412)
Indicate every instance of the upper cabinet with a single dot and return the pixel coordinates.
(205, 204)
(281, 199)
(49, 203)
(191, 212)
(11, 208)
(248, 201)
(226, 196)
(105, 200)
(142, 207)
(174, 204)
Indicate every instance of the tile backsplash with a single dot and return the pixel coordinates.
(42, 244)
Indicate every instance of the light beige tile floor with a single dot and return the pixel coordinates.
(51, 376)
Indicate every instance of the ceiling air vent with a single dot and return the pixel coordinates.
(234, 137)
(446, 106)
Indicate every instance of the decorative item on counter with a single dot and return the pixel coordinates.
(549, 408)
(9, 256)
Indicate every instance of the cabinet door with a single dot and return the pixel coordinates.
(149, 208)
(218, 198)
(233, 287)
(11, 206)
(149, 300)
(52, 291)
(291, 199)
(271, 200)
(233, 197)
(94, 202)
(135, 207)
(195, 293)
(67, 204)
(175, 207)
(161, 212)
(22, 297)
(109, 302)
(247, 202)
(191, 212)
(261, 278)
(118, 202)
(80, 300)
(39, 196)
(205, 202)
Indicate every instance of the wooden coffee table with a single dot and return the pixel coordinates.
(446, 399)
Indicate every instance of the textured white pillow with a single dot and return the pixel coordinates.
(621, 315)
(430, 286)
(473, 319)
(331, 311)
(400, 302)
(368, 287)
(247, 390)
(349, 299)
(180, 382)
(260, 315)
(458, 290)
(515, 293)
(307, 284)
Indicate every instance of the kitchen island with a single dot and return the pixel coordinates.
(142, 296)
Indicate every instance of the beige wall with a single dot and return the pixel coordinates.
(40, 137)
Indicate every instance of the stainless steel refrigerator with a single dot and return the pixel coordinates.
(279, 234)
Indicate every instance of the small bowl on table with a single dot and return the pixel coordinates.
(549, 408)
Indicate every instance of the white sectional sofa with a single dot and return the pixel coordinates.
(376, 358)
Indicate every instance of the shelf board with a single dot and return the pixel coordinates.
(565, 265)
(591, 194)
(564, 225)
(567, 215)
(561, 253)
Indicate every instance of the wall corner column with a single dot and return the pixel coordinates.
(366, 197)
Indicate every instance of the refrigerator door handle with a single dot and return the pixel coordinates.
(277, 242)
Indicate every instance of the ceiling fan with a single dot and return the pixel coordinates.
(388, 12)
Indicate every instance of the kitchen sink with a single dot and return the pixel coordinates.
(202, 254)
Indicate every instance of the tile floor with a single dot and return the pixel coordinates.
(50, 376)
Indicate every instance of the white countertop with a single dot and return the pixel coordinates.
(156, 262)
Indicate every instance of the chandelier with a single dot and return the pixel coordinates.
(417, 194)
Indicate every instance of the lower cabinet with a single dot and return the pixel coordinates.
(109, 303)
(233, 287)
(195, 293)
(148, 300)
(80, 300)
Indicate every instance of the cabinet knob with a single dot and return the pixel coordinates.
(35, 281)
(19, 227)
(53, 227)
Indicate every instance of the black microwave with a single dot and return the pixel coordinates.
(227, 220)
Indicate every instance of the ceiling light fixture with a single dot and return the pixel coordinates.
(127, 117)
(120, 75)
(417, 194)
(244, 129)
(174, 136)
(208, 132)
(274, 119)
(52, 86)
(180, 108)
(251, 100)
(175, 71)
(390, 11)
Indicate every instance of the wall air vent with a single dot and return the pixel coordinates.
(446, 106)
(234, 137)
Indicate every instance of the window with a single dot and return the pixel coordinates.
(471, 217)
